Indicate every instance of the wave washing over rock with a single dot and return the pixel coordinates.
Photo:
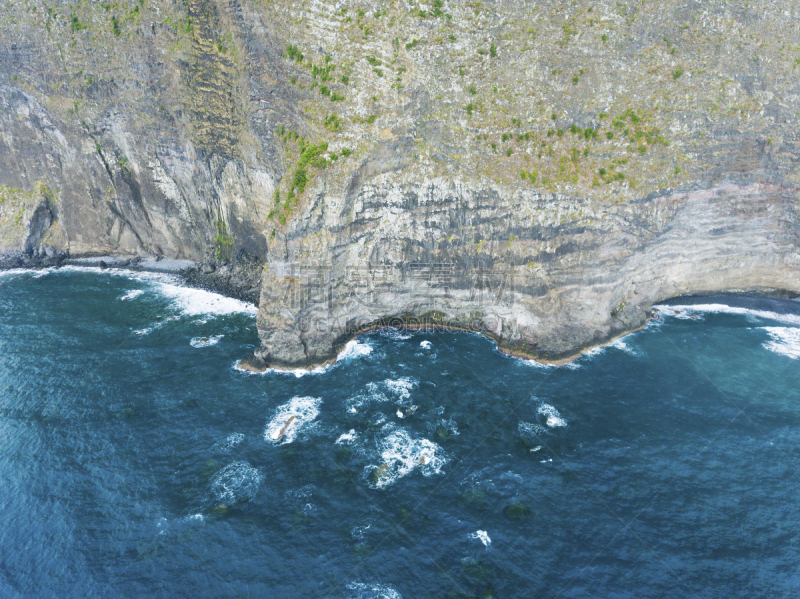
(291, 418)
(199, 342)
(401, 454)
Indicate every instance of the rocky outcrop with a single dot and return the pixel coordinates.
(536, 171)
(546, 276)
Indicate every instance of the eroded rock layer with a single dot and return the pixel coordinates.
(536, 171)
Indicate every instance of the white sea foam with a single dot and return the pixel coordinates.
(400, 454)
(425, 344)
(372, 590)
(189, 301)
(530, 431)
(205, 341)
(554, 419)
(196, 302)
(132, 294)
(154, 327)
(394, 333)
(692, 311)
(193, 518)
(372, 394)
(535, 364)
(401, 387)
(229, 443)
(290, 418)
(236, 482)
(784, 341)
(347, 438)
(354, 349)
(482, 536)
(16, 271)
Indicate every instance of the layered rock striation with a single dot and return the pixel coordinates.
(537, 172)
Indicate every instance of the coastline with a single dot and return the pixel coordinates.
(752, 299)
(240, 281)
(228, 281)
(255, 365)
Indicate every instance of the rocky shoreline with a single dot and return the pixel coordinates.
(241, 280)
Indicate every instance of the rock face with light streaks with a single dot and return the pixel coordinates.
(538, 172)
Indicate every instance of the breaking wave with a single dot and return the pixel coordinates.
(205, 341)
(692, 311)
(290, 418)
(784, 341)
(553, 418)
(400, 455)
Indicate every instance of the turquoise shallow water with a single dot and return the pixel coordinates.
(419, 465)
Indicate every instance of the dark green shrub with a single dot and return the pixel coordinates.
(75, 24)
(293, 53)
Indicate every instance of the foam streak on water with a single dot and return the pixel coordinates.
(694, 310)
(784, 341)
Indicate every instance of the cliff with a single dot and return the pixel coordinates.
(538, 172)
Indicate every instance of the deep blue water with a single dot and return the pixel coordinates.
(135, 461)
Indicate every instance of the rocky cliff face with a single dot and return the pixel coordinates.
(536, 171)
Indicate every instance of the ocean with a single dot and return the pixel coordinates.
(136, 461)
